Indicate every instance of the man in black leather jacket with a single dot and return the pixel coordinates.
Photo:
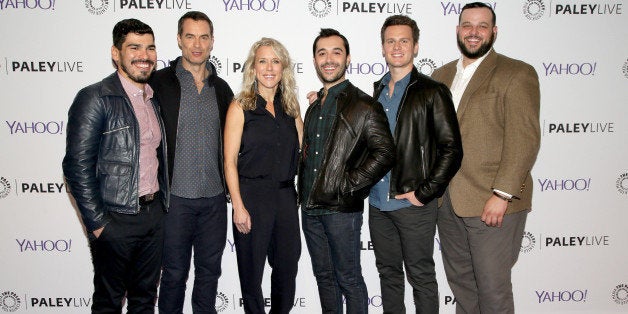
(115, 169)
(347, 147)
(403, 205)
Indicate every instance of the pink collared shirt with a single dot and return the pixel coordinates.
(150, 134)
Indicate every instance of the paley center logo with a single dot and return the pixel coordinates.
(322, 8)
(30, 187)
(578, 127)
(43, 66)
(576, 241)
(535, 9)
(217, 64)
(5, 187)
(426, 66)
(27, 4)
(528, 242)
(621, 184)
(620, 294)
(98, 7)
(252, 5)
(10, 301)
(238, 66)
(455, 8)
(222, 302)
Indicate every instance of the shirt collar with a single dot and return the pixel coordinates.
(133, 90)
(473, 66)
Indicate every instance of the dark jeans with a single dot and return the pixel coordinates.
(274, 233)
(405, 238)
(334, 245)
(200, 224)
(127, 260)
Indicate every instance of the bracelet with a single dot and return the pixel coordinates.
(502, 197)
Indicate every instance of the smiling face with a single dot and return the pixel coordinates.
(398, 47)
(137, 58)
(476, 33)
(195, 42)
(331, 60)
(268, 69)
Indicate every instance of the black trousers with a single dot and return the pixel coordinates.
(274, 234)
(127, 261)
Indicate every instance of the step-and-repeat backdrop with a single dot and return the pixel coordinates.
(575, 246)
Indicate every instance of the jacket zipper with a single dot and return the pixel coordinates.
(115, 130)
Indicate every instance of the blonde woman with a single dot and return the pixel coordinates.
(262, 140)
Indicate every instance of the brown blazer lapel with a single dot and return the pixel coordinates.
(482, 73)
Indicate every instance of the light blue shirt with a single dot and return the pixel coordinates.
(379, 193)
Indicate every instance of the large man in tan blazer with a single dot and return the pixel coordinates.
(483, 215)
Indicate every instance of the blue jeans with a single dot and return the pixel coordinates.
(334, 245)
(200, 224)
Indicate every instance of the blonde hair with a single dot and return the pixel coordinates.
(287, 85)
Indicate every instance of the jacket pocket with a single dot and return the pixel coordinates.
(115, 183)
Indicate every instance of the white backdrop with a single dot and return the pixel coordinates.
(576, 244)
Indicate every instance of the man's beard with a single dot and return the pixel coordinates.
(482, 50)
(342, 69)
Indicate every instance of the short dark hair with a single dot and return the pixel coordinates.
(329, 32)
(124, 27)
(401, 20)
(473, 5)
(196, 16)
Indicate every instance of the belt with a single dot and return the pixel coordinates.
(147, 199)
(268, 182)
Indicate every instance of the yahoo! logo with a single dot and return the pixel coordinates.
(27, 4)
(555, 69)
(578, 184)
(252, 5)
(456, 7)
(562, 296)
(44, 245)
(35, 127)
(363, 68)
